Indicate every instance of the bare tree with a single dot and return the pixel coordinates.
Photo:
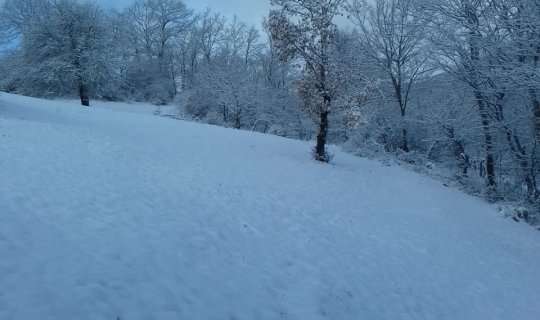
(457, 34)
(523, 26)
(210, 33)
(393, 37)
(154, 29)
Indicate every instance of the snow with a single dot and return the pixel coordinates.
(111, 212)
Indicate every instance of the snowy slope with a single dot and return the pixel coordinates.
(106, 213)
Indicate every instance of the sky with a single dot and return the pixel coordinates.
(249, 11)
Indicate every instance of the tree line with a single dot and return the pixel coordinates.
(446, 84)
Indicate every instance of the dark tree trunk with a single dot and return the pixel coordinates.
(225, 112)
(516, 146)
(237, 122)
(490, 158)
(534, 97)
(320, 148)
(83, 94)
(474, 43)
(459, 151)
(404, 143)
(521, 155)
(536, 111)
(83, 90)
(402, 108)
(404, 138)
(488, 138)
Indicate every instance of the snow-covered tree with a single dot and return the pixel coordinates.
(490, 45)
(16, 16)
(457, 35)
(62, 48)
(392, 36)
(154, 29)
(305, 30)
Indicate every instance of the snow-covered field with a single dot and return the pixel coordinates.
(113, 213)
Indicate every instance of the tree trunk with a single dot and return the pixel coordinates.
(237, 122)
(320, 149)
(474, 40)
(490, 158)
(459, 151)
(488, 138)
(404, 143)
(515, 146)
(402, 108)
(225, 112)
(83, 94)
(536, 112)
(534, 97)
(521, 156)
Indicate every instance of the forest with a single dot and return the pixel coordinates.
(450, 88)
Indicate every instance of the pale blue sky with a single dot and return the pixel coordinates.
(249, 11)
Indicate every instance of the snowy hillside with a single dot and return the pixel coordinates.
(110, 212)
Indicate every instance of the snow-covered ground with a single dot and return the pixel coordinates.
(111, 212)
